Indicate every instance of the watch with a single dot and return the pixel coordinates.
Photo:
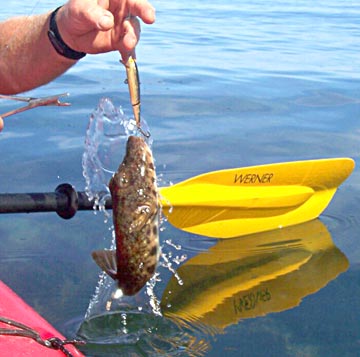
(58, 43)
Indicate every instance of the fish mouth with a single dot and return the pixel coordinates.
(135, 143)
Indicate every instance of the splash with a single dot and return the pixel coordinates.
(113, 318)
(105, 143)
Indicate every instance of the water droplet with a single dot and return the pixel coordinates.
(117, 294)
(178, 260)
(167, 264)
(154, 301)
(171, 244)
(105, 142)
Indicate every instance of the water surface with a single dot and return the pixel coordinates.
(224, 85)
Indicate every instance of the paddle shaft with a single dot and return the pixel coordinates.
(221, 204)
(65, 201)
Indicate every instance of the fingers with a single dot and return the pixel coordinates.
(131, 37)
(91, 15)
(97, 26)
(140, 8)
(143, 9)
(1, 124)
(105, 21)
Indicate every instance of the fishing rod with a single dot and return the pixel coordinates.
(65, 201)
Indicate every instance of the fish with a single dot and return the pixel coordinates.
(135, 204)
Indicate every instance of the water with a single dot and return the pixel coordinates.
(223, 85)
(104, 148)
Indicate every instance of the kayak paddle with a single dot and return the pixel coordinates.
(221, 204)
(230, 203)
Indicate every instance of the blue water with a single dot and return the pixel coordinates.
(223, 85)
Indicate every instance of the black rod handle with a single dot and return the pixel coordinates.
(65, 201)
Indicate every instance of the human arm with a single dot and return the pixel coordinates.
(29, 60)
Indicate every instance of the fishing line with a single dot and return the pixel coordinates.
(34, 7)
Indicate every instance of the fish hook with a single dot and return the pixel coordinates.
(133, 82)
(147, 134)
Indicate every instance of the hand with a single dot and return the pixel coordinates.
(98, 26)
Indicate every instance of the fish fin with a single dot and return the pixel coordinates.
(144, 213)
(106, 260)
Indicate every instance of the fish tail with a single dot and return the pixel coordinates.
(106, 260)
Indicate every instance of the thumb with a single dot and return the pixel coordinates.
(93, 14)
(103, 19)
(79, 17)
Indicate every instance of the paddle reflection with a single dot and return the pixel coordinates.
(253, 276)
(235, 279)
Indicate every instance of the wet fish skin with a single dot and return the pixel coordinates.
(136, 220)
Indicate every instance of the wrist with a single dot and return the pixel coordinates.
(57, 41)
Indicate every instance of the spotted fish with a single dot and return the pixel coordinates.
(135, 204)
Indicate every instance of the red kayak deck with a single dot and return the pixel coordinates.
(14, 308)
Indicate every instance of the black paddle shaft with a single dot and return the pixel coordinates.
(65, 201)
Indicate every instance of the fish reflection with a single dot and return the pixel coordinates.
(254, 275)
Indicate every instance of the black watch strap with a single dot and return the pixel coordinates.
(58, 43)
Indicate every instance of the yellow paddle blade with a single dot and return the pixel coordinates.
(253, 276)
(205, 195)
(234, 202)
